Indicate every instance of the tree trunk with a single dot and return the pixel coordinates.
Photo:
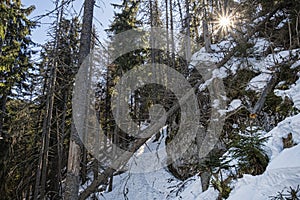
(172, 35)
(41, 174)
(180, 13)
(206, 37)
(73, 182)
(188, 37)
(167, 31)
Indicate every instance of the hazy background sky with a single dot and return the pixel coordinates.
(102, 15)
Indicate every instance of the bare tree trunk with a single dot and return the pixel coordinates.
(297, 31)
(73, 182)
(261, 101)
(196, 24)
(290, 34)
(167, 30)
(4, 143)
(41, 175)
(152, 42)
(206, 35)
(47, 132)
(42, 171)
(172, 34)
(180, 13)
(188, 36)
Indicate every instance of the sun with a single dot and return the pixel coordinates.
(224, 23)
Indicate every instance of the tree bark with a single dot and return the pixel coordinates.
(206, 35)
(73, 174)
(167, 31)
(261, 101)
(188, 47)
(172, 35)
(207, 40)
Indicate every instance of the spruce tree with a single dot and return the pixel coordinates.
(124, 21)
(15, 53)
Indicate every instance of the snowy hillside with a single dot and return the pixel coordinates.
(282, 172)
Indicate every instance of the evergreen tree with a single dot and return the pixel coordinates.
(15, 53)
(248, 149)
(124, 21)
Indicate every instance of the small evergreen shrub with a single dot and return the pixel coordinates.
(247, 150)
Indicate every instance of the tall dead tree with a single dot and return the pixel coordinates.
(73, 174)
(41, 174)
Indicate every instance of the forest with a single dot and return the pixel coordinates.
(174, 100)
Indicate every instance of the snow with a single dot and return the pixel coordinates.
(234, 105)
(204, 63)
(147, 176)
(265, 66)
(259, 82)
(289, 125)
(280, 57)
(292, 93)
(296, 64)
(282, 23)
(223, 45)
(288, 158)
(260, 45)
(284, 171)
(208, 194)
(158, 185)
(203, 56)
(188, 190)
(193, 192)
(216, 56)
(154, 185)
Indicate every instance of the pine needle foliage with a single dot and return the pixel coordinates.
(248, 150)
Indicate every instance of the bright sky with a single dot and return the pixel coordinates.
(103, 15)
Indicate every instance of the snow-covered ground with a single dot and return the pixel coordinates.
(282, 172)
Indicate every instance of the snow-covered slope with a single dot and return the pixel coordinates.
(283, 170)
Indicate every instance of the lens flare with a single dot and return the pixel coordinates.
(225, 21)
